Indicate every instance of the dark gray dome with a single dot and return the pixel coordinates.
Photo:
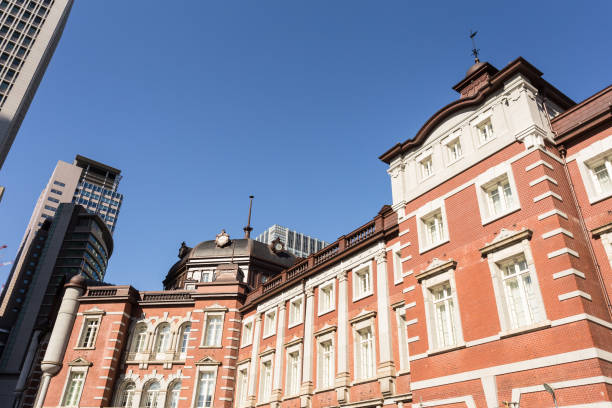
(241, 248)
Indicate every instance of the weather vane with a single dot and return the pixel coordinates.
(474, 49)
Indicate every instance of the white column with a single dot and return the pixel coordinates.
(54, 355)
(386, 367)
(277, 391)
(343, 377)
(307, 383)
(253, 368)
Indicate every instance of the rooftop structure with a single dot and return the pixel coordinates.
(295, 242)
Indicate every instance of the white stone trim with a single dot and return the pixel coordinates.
(551, 213)
(365, 266)
(596, 151)
(568, 272)
(468, 400)
(557, 231)
(546, 195)
(541, 179)
(517, 392)
(539, 163)
(425, 211)
(562, 251)
(573, 294)
(531, 364)
(502, 170)
(291, 324)
(332, 303)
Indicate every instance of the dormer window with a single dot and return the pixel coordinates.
(485, 131)
(426, 167)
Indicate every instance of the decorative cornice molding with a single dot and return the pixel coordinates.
(326, 329)
(294, 341)
(504, 239)
(604, 229)
(363, 315)
(208, 361)
(268, 350)
(80, 362)
(435, 267)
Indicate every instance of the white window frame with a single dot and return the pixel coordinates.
(247, 340)
(134, 339)
(269, 329)
(168, 349)
(89, 317)
(264, 396)
(427, 284)
(293, 349)
(357, 272)
(78, 367)
(360, 323)
(331, 285)
(586, 158)
(211, 367)
(146, 388)
(495, 261)
(606, 241)
(179, 340)
(327, 337)
(292, 321)
(423, 214)
(169, 390)
(483, 182)
(452, 140)
(121, 390)
(242, 389)
(426, 158)
(207, 316)
(402, 338)
(478, 127)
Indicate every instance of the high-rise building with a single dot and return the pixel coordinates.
(73, 242)
(29, 33)
(295, 242)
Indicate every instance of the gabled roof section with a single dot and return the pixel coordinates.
(494, 82)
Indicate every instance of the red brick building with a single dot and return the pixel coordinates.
(489, 276)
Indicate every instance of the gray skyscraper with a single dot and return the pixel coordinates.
(29, 33)
(295, 242)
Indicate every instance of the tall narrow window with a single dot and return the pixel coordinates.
(485, 131)
(444, 315)
(295, 311)
(247, 333)
(454, 150)
(269, 323)
(174, 392)
(499, 194)
(293, 373)
(126, 395)
(433, 226)
(601, 172)
(206, 388)
(214, 326)
(150, 395)
(521, 299)
(326, 364)
(365, 344)
(242, 385)
(72, 394)
(326, 297)
(397, 266)
(426, 167)
(184, 338)
(90, 330)
(140, 339)
(265, 382)
(362, 284)
(162, 342)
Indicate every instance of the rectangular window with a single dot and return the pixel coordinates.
(49, 208)
(247, 333)
(206, 389)
(326, 365)
(242, 386)
(496, 193)
(362, 283)
(53, 200)
(295, 311)
(499, 196)
(444, 315)
(426, 166)
(601, 173)
(213, 331)
(72, 394)
(522, 303)
(59, 183)
(89, 332)
(265, 381)
(365, 353)
(397, 266)
(454, 150)
(293, 373)
(485, 131)
(54, 191)
(433, 228)
(326, 297)
(269, 323)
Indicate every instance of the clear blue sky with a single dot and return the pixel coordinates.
(201, 104)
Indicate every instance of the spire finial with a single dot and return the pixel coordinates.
(248, 229)
(475, 50)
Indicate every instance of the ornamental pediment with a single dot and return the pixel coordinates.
(435, 267)
(207, 361)
(363, 315)
(506, 238)
(80, 362)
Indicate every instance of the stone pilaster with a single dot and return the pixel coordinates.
(277, 392)
(307, 383)
(252, 396)
(343, 377)
(386, 367)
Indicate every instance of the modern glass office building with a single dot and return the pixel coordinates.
(295, 242)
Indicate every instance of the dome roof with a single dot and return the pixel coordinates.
(475, 68)
(241, 248)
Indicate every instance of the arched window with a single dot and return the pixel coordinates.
(162, 341)
(174, 391)
(150, 394)
(126, 394)
(184, 338)
(139, 338)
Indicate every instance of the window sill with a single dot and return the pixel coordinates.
(525, 329)
(290, 325)
(365, 295)
(325, 312)
(211, 347)
(364, 380)
(458, 159)
(265, 336)
(326, 389)
(245, 345)
(424, 179)
(489, 220)
(487, 142)
(429, 248)
(403, 372)
(599, 197)
(448, 349)
(84, 348)
(290, 397)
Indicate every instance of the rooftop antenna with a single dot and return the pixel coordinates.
(475, 50)
(248, 229)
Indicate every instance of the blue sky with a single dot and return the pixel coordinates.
(202, 103)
